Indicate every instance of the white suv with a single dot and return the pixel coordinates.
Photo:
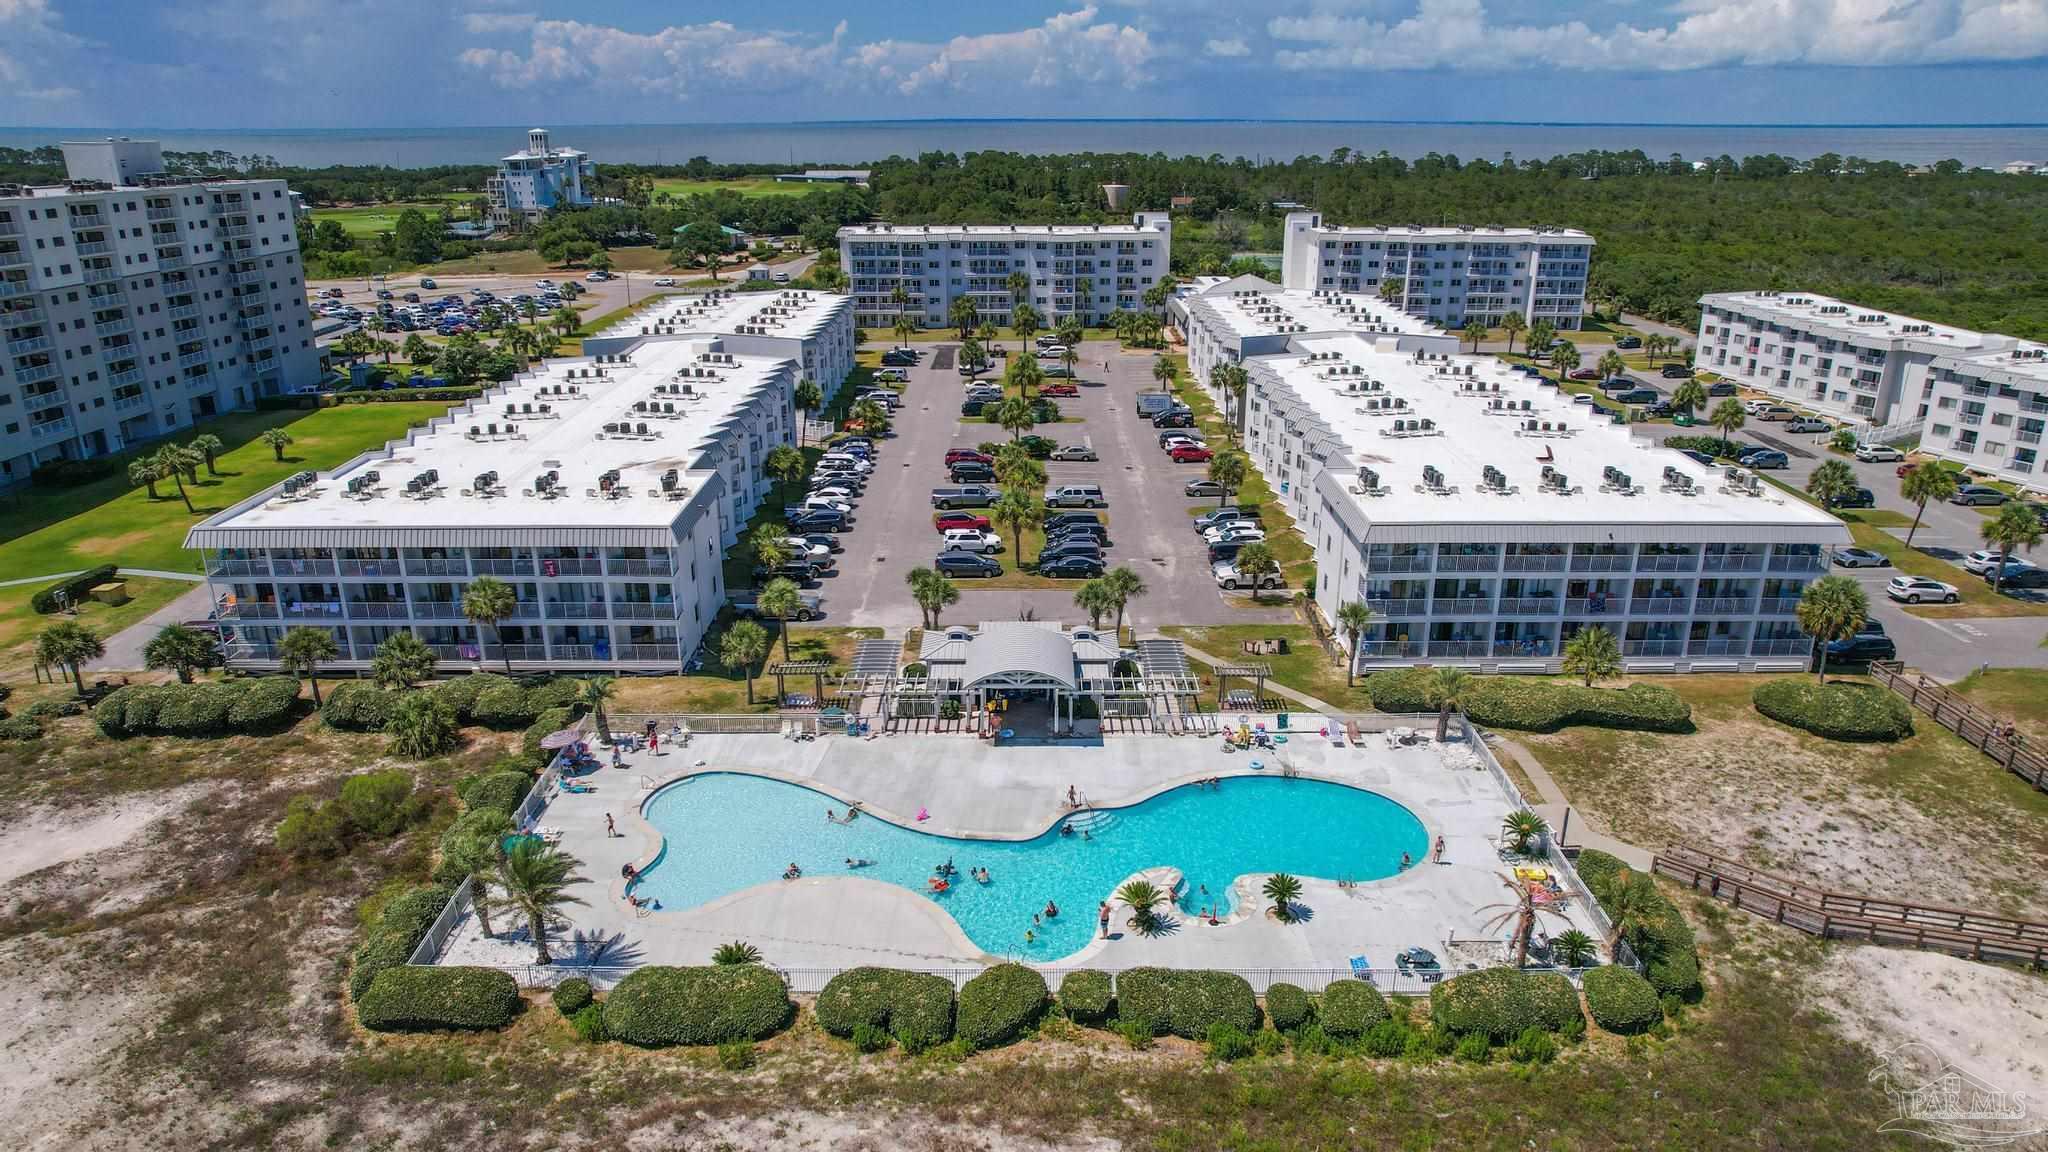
(1876, 453)
(972, 540)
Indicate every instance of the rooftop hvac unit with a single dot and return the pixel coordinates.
(1556, 481)
(669, 480)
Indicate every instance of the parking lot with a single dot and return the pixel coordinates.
(1147, 513)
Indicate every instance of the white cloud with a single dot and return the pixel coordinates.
(34, 51)
(1235, 46)
(676, 61)
(493, 23)
(1706, 34)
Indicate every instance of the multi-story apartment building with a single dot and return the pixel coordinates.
(1237, 319)
(1451, 275)
(529, 183)
(1485, 519)
(1987, 412)
(133, 303)
(1084, 270)
(813, 329)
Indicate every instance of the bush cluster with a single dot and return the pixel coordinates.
(500, 790)
(262, 704)
(430, 998)
(551, 720)
(1665, 942)
(1288, 1006)
(72, 473)
(1350, 1009)
(572, 996)
(485, 698)
(1535, 704)
(1711, 445)
(1088, 996)
(1000, 1005)
(1501, 1003)
(74, 588)
(396, 935)
(358, 706)
(660, 1006)
(1186, 1003)
(1837, 711)
(1621, 1001)
(915, 1007)
(378, 804)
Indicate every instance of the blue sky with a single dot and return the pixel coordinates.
(423, 63)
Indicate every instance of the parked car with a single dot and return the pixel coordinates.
(1060, 520)
(1168, 439)
(1877, 453)
(1079, 547)
(1809, 424)
(1697, 456)
(1676, 371)
(1637, 396)
(1076, 496)
(972, 472)
(1174, 418)
(1092, 532)
(972, 540)
(1768, 459)
(809, 607)
(1772, 413)
(1227, 576)
(2023, 576)
(967, 564)
(1628, 342)
(1073, 452)
(1976, 494)
(892, 376)
(1201, 488)
(1236, 532)
(967, 455)
(821, 540)
(1856, 498)
(1861, 558)
(803, 572)
(973, 407)
(814, 520)
(425, 282)
(1914, 589)
(1983, 560)
(1867, 645)
(1661, 408)
(1586, 374)
(1189, 453)
(665, 282)
(964, 496)
(1229, 515)
(948, 521)
(1058, 388)
(1071, 567)
(1721, 388)
(2006, 570)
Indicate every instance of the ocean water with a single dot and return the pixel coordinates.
(724, 832)
(857, 142)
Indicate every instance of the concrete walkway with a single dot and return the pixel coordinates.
(124, 648)
(154, 573)
(1556, 809)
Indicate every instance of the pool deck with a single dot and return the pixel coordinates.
(971, 789)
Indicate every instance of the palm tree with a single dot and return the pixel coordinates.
(1831, 483)
(1592, 654)
(1541, 333)
(1513, 324)
(1572, 948)
(1564, 358)
(1631, 904)
(1255, 561)
(171, 460)
(781, 599)
(770, 544)
(593, 693)
(303, 650)
(68, 644)
(1611, 365)
(905, 327)
(1392, 289)
(1728, 416)
(1025, 373)
(472, 849)
(277, 439)
(417, 350)
(1233, 380)
(1283, 890)
(1084, 291)
(961, 314)
(1521, 910)
(1653, 346)
(1164, 371)
(536, 877)
(1924, 482)
(973, 356)
(486, 601)
(144, 471)
(1027, 321)
(180, 649)
(932, 590)
(209, 448)
(1020, 289)
(1018, 508)
(1352, 616)
(740, 647)
(737, 952)
(1016, 469)
(787, 465)
(807, 399)
(565, 321)
(1093, 597)
(1124, 586)
(1832, 608)
(1143, 898)
(2014, 529)
(1228, 471)
(1689, 397)
(873, 418)
(1475, 331)
(1015, 415)
(421, 726)
(401, 661)
(1521, 827)
(1450, 694)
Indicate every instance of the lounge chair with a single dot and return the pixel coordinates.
(1361, 968)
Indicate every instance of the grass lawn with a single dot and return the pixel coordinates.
(748, 186)
(1296, 558)
(49, 530)
(1304, 668)
(2020, 693)
(721, 690)
(370, 219)
(20, 624)
(527, 262)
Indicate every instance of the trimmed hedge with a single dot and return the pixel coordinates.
(1665, 942)
(432, 998)
(1088, 996)
(1288, 1006)
(216, 709)
(572, 996)
(915, 1007)
(504, 707)
(75, 588)
(1186, 1003)
(1621, 1001)
(501, 790)
(358, 706)
(554, 692)
(1837, 711)
(660, 1006)
(1000, 1005)
(1351, 1008)
(399, 931)
(1536, 704)
(461, 693)
(1501, 1003)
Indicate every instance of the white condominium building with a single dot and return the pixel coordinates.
(814, 329)
(133, 304)
(604, 489)
(1084, 270)
(1485, 519)
(529, 183)
(1987, 411)
(1233, 320)
(1451, 275)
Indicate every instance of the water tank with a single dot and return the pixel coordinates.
(1116, 194)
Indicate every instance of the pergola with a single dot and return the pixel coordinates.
(816, 669)
(1255, 673)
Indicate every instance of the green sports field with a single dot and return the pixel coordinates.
(756, 186)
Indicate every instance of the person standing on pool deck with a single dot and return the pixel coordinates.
(1102, 918)
(1436, 855)
(609, 830)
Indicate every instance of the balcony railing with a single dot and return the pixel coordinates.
(437, 609)
(246, 276)
(1603, 563)
(515, 652)
(1514, 563)
(94, 248)
(114, 327)
(185, 312)
(1721, 606)
(285, 566)
(578, 652)
(14, 288)
(1489, 563)
(248, 610)
(101, 275)
(1389, 650)
(1529, 605)
(1380, 564)
(36, 402)
(1666, 563)
(259, 343)
(1793, 646)
(166, 261)
(385, 567)
(1462, 605)
(161, 212)
(308, 609)
(670, 652)
(191, 359)
(1797, 563)
(577, 610)
(1777, 605)
(561, 566)
(640, 567)
(1660, 605)
(501, 567)
(123, 403)
(1402, 606)
(13, 259)
(1735, 562)
(379, 609)
(1595, 606)
(1722, 647)
(29, 345)
(238, 568)
(1458, 649)
(1653, 648)
(635, 610)
(455, 651)
(10, 228)
(436, 566)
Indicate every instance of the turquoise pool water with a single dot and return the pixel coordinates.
(729, 831)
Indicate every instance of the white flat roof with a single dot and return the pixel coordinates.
(1845, 320)
(918, 231)
(1249, 312)
(572, 443)
(1470, 434)
(1434, 232)
(550, 154)
(796, 313)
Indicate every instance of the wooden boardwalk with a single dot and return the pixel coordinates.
(1955, 712)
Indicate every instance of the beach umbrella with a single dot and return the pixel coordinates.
(561, 739)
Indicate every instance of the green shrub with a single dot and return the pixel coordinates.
(589, 1023)
(74, 588)
(1000, 1005)
(659, 1006)
(255, 704)
(1500, 1003)
(1838, 711)
(372, 957)
(1351, 1008)
(554, 692)
(23, 727)
(1386, 1039)
(378, 803)
(1533, 1046)
(572, 996)
(500, 790)
(503, 706)
(552, 720)
(1186, 1003)
(1088, 996)
(1137, 1031)
(312, 830)
(1311, 1040)
(396, 935)
(1228, 1043)
(461, 693)
(358, 706)
(265, 705)
(1288, 1007)
(1268, 1043)
(1536, 704)
(1674, 970)
(197, 709)
(736, 1055)
(426, 999)
(869, 1038)
(916, 1007)
(1552, 1000)
(1622, 1001)
(1474, 1049)
(1665, 941)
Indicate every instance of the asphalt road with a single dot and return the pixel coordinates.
(1147, 514)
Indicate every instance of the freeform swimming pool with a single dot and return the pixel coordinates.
(727, 831)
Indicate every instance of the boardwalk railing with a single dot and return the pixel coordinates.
(1847, 916)
(1989, 733)
(758, 723)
